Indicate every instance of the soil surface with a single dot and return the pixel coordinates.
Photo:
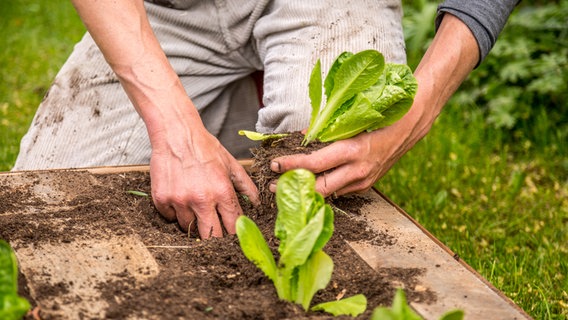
(197, 279)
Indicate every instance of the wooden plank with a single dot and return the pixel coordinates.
(108, 259)
(246, 163)
(455, 284)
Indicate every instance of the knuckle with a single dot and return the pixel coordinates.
(160, 198)
(325, 191)
(352, 150)
(362, 186)
(360, 173)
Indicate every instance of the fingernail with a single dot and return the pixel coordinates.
(272, 186)
(275, 166)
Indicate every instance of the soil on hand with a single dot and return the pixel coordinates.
(197, 279)
(269, 150)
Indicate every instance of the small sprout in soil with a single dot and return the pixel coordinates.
(138, 193)
(336, 208)
(244, 197)
(400, 310)
(304, 224)
(189, 229)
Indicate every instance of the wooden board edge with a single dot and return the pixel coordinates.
(455, 255)
(246, 163)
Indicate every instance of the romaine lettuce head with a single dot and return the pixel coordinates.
(362, 94)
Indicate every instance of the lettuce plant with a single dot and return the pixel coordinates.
(400, 310)
(12, 306)
(304, 225)
(363, 93)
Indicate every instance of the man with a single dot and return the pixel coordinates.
(185, 66)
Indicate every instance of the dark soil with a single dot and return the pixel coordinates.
(271, 149)
(201, 279)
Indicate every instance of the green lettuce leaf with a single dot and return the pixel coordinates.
(314, 275)
(330, 78)
(327, 228)
(363, 94)
(295, 200)
(355, 74)
(400, 310)
(315, 91)
(352, 306)
(453, 315)
(300, 247)
(360, 117)
(12, 306)
(257, 136)
(254, 246)
(397, 96)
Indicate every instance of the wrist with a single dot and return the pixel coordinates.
(447, 62)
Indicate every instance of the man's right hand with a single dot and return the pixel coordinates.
(194, 178)
(197, 187)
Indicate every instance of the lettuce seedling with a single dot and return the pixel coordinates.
(400, 310)
(362, 94)
(304, 225)
(12, 306)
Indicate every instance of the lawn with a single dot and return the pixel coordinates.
(501, 203)
(36, 38)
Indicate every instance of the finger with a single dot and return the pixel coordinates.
(336, 181)
(344, 181)
(243, 184)
(167, 211)
(272, 186)
(229, 212)
(353, 188)
(318, 161)
(208, 224)
(186, 218)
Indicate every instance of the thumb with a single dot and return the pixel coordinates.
(318, 161)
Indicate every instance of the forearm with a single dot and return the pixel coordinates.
(448, 61)
(485, 18)
(122, 32)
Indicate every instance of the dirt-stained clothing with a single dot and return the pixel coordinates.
(87, 120)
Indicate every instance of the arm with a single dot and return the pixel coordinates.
(485, 19)
(358, 162)
(193, 176)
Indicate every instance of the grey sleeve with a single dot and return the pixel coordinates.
(485, 19)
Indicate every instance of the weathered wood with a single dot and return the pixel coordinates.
(455, 284)
(107, 260)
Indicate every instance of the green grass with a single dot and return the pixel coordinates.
(36, 38)
(502, 206)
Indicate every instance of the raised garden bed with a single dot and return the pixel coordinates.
(89, 249)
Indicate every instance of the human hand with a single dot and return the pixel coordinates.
(198, 186)
(194, 178)
(358, 162)
(350, 165)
